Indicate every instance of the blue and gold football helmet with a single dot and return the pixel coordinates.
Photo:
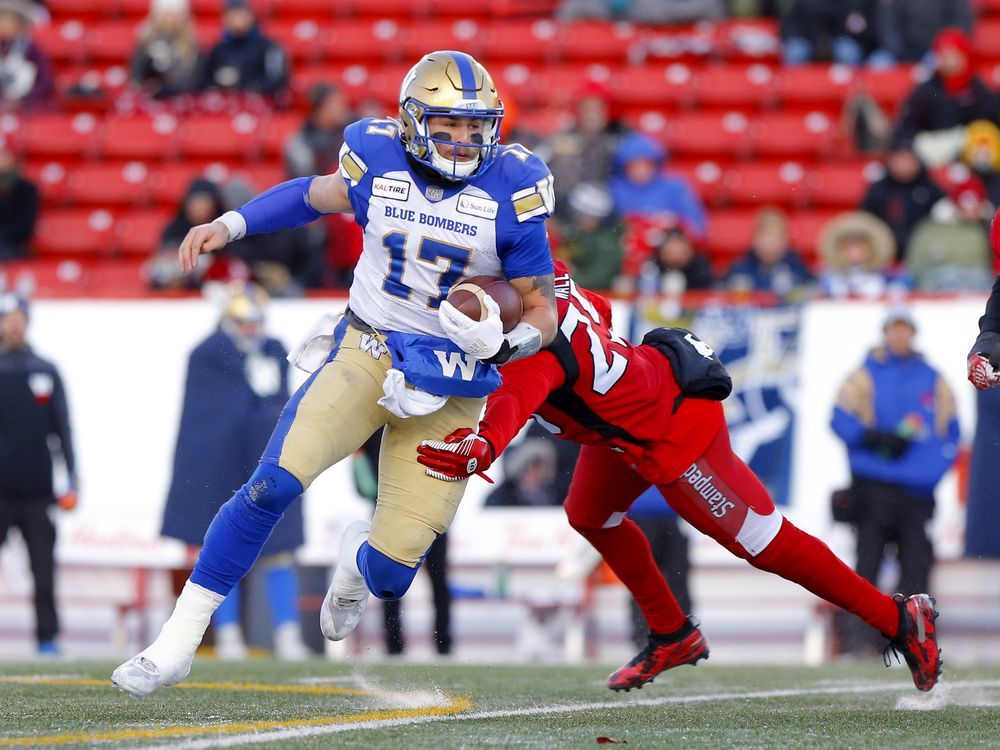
(450, 84)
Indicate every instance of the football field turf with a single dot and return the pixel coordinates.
(320, 704)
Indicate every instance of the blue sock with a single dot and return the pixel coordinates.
(242, 525)
(228, 612)
(386, 578)
(282, 594)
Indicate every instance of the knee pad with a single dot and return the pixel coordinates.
(386, 578)
(583, 522)
(271, 488)
(242, 525)
(759, 531)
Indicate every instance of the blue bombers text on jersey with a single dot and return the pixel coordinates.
(422, 236)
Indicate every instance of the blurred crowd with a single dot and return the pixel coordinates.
(624, 220)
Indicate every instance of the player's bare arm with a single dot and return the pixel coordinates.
(327, 195)
(538, 298)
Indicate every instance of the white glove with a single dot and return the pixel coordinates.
(480, 338)
(407, 402)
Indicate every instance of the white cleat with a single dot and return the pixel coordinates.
(347, 596)
(140, 675)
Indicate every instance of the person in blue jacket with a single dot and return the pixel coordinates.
(640, 187)
(896, 415)
(237, 385)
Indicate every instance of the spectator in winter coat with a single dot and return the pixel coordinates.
(640, 187)
(858, 253)
(676, 266)
(315, 149)
(202, 203)
(954, 95)
(982, 154)
(18, 208)
(166, 61)
(905, 195)
(33, 411)
(950, 249)
(26, 80)
(244, 59)
(593, 236)
(906, 28)
(841, 30)
(237, 385)
(896, 415)
(771, 264)
(584, 151)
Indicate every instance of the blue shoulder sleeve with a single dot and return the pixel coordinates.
(526, 200)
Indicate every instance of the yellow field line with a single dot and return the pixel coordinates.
(454, 706)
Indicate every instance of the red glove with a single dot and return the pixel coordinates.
(457, 457)
(983, 360)
(67, 500)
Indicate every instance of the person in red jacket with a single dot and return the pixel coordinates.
(651, 415)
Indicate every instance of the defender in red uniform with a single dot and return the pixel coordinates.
(647, 415)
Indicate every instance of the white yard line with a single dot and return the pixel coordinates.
(563, 708)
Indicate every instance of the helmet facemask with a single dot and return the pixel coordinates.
(422, 144)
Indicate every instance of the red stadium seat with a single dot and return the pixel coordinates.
(748, 39)
(561, 85)
(362, 41)
(169, 182)
(47, 135)
(767, 184)
(355, 80)
(544, 122)
(62, 41)
(418, 39)
(737, 87)
(795, 135)
(842, 185)
(77, 8)
(50, 178)
(139, 137)
(299, 38)
(262, 176)
(74, 232)
(519, 41)
(401, 9)
(221, 136)
(805, 229)
(278, 129)
(705, 176)
(729, 235)
(117, 278)
(113, 41)
(656, 85)
(708, 136)
(890, 87)
(48, 277)
(593, 41)
(815, 86)
(986, 39)
(109, 184)
(138, 233)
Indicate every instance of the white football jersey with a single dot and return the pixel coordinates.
(421, 236)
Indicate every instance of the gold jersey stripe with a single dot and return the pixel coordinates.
(528, 203)
(350, 165)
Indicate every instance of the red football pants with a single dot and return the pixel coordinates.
(722, 497)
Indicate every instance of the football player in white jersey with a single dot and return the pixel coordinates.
(439, 199)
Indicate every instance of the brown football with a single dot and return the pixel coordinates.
(467, 296)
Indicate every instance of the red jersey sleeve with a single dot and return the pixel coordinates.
(526, 384)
